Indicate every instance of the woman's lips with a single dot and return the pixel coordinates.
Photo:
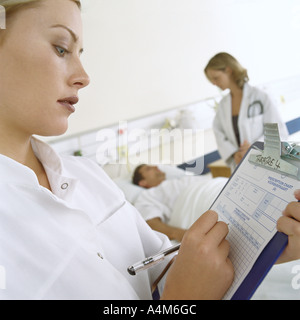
(68, 103)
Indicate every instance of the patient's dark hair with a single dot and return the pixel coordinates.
(137, 176)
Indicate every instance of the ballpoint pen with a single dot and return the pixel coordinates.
(152, 261)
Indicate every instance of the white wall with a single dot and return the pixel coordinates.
(146, 56)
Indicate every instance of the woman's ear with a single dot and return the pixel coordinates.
(228, 71)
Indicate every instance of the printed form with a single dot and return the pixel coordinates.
(251, 204)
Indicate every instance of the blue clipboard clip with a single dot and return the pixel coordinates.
(278, 156)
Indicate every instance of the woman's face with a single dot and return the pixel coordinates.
(221, 79)
(40, 68)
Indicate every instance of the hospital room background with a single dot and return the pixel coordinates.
(146, 59)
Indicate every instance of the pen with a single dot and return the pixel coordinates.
(152, 261)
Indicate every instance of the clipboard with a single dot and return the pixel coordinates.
(276, 165)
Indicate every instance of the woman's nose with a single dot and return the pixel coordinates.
(80, 78)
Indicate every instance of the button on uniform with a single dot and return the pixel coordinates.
(64, 186)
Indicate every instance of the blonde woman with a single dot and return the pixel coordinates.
(66, 230)
(242, 113)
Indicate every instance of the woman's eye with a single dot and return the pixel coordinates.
(61, 51)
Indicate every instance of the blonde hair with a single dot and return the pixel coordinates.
(223, 60)
(12, 6)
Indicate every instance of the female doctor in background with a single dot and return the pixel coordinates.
(242, 113)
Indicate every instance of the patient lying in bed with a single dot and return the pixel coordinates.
(178, 200)
(171, 206)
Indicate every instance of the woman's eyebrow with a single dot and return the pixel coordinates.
(74, 36)
(72, 33)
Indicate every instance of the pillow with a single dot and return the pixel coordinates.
(172, 172)
(132, 191)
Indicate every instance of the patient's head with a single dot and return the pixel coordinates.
(148, 176)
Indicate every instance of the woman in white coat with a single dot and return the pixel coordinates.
(66, 231)
(242, 113)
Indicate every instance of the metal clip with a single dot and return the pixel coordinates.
(277, 156)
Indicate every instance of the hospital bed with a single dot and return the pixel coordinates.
(280, 283)
(196, 198)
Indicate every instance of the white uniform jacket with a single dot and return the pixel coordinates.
(256, 109)
(75, 242)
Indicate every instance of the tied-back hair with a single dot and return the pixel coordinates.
(223, 60)
(11, 6)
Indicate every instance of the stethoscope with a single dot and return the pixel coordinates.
(255, 108)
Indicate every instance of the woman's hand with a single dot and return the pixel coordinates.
(289, 224)
(202, 269)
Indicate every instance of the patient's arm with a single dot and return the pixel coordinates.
(172, 232)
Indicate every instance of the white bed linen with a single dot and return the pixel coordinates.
(193, 200)
(179, 202)
(196, 199)
(281, 283)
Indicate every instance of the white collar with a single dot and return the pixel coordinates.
(13, 172)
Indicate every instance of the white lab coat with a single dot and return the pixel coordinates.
(75, 242)
(250, 128)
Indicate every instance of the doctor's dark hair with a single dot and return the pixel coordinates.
(137, 176)
(223, 60)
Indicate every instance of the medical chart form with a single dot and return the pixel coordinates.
(251, 203)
